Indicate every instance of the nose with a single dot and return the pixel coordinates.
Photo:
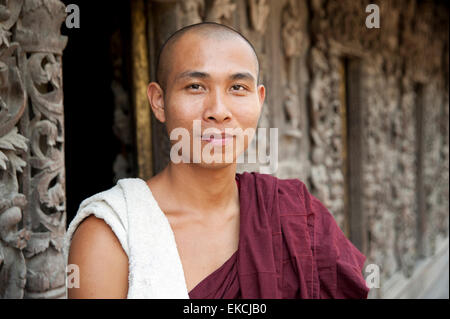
(216, 109)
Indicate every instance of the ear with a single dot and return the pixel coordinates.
(261, 94)
(155, 96)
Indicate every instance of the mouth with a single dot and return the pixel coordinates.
(217, 139)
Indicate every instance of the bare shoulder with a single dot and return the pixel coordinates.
(102, 262)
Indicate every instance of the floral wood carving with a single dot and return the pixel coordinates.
(32, 177)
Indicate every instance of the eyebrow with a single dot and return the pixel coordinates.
(242, 76)
(203, 75)
(192, 74)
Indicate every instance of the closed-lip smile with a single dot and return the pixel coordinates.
(222, 138)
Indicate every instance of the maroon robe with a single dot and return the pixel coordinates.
(289, 247)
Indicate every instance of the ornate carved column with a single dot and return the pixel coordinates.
(13, 237)
(32, 179)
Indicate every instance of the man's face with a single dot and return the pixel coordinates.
(215, 82)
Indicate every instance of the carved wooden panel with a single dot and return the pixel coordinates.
(13, 236)
(32, 187)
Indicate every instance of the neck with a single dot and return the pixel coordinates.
(203, 190)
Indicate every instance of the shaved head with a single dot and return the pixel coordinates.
(205, 30)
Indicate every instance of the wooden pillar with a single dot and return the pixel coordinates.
(420, 189)
(141, 79)
(355, 225)
(343, 113)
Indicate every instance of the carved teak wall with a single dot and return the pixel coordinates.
(362, 117)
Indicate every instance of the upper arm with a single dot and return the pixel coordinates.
(102, 262)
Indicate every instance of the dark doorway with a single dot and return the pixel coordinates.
(90, 143)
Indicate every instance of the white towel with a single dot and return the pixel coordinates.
(129, 208)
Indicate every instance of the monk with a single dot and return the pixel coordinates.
(244, 235)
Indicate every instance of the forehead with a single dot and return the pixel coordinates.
(212, 54)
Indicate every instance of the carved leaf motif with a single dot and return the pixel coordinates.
(44, 68)
(54, 196)
(13, 141)
(3, 160)
(4, 35)
(10, 143)
(38, 74)
(16, 162)
(53, 71)
(39, 242)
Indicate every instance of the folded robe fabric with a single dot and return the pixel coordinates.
(289, 247)
(296, 248)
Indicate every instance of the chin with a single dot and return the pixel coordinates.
(214, 166)
(221, 160)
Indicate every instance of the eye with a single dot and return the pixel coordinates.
(238, 87)
(194, 86)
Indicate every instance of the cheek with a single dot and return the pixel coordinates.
(248, 114)
(181, 112)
